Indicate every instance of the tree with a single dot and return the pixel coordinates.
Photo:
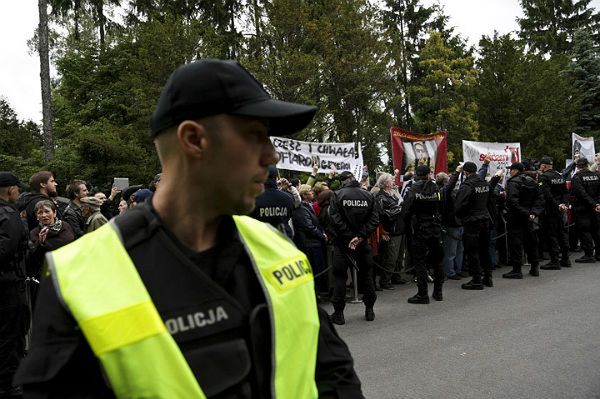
(406, 23)
(549, 25)
(44, 51)
(445, 96)
(523, 97)
(583, 71)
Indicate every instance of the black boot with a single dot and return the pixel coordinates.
(472, 285)
(437, 292)
(515, 273)
(552, 265)
(369, 314)
(585, 259)
(487, 281)
(420, 297)
(565, 262)
(534, 270)
(337, 317)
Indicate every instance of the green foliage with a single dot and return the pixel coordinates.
(583, 71)
(549, 26)
(523, 97)
(366, 65)
(445, 95)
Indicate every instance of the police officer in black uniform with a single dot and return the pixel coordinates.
(211, 129)
(471, 204)
(556, 198)
(421, 211)
(586, 190)
(524, 203)
(354, 216)
(14, 313)
(274, 206)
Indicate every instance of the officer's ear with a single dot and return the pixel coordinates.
(193, 138)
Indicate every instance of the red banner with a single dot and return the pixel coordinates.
(409, 146)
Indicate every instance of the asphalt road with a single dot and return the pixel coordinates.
(523, 339)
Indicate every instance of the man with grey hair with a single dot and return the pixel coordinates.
(393, 227)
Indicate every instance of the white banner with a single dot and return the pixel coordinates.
(501, 154)
(583, 146)
(301, 155)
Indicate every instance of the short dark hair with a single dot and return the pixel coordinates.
(73, 188)
(36, 180)
(47, 203)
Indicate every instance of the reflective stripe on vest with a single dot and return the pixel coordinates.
(125, 331)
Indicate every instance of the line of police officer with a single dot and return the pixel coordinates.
(532, 201)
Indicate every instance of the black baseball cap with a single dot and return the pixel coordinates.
(345, 175)
(210, 87)
(469, 167)
(518, 166)
(546, 161)
(8, 179)
(582, 162)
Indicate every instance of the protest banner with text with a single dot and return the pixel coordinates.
(302, 155)
(502, 155)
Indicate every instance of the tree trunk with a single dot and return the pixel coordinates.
(45, 80)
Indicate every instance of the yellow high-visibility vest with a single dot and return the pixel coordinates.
(98, 282)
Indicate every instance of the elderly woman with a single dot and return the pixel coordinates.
(49, 235)
(308, 233)
(393, 228)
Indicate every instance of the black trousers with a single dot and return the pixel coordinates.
(343, 258)
(586, 223)
(555, 234)
(476, 240)
(519, 236)
(14, 321)
(428, 253)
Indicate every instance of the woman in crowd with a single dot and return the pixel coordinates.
(49, 235)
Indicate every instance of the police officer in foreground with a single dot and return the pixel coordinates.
(471, 204)
(524, 203)
(179, 297)
(421, 211)
(274, 206)
(354, 217)
(14, 313)
(586, 190)
(556, 198)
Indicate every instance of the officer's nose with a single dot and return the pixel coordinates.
(268, 154)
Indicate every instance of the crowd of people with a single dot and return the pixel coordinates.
(430, 229)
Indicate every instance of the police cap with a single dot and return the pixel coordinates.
(469, 167)
(518, 166)
(545, 161)
(210, 87)
(582, 162)
(345, 175)
(8, 179)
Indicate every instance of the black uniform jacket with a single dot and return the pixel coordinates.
(275, 207)
(586, 190)
(523, 197)
(13, 244)
(555, 191)
(354, 212)
(472, 200)
(421, 209)
(230, 356)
